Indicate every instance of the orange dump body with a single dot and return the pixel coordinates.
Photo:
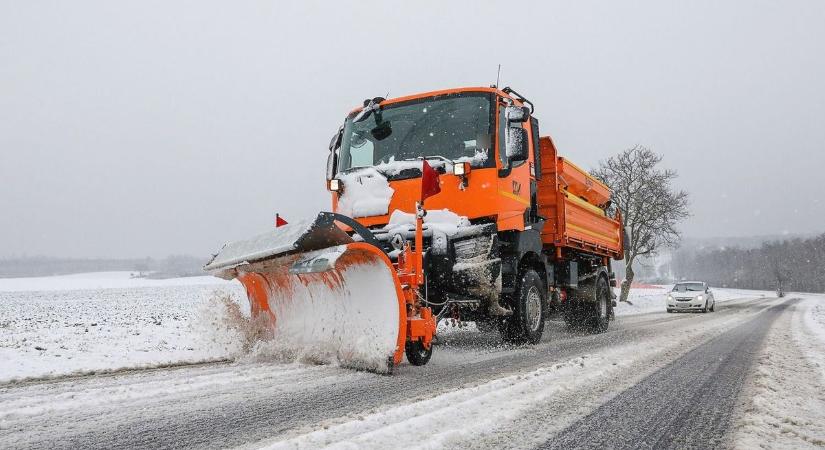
(571, 201)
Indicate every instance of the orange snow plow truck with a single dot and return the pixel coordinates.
(445, 205)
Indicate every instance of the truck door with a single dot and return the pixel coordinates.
(515, 184)
(535, 168)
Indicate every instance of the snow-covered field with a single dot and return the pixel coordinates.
(53, 326)
(101, 280)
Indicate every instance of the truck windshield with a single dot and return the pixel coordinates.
(458, 127)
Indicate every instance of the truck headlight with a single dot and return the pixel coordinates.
(334, 185)
(461, 169)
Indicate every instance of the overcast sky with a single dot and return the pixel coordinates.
(152, 128)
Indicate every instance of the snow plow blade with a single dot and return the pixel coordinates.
(319, 295)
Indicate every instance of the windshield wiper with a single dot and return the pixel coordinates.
(428, 157)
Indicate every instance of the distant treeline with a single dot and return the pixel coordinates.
(171, 266)
(797, 264)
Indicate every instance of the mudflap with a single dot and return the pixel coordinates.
(341, 303)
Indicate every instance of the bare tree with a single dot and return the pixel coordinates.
(779, 256)
(650, 205)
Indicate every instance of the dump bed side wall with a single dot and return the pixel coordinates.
(547, 193)
(568, 198)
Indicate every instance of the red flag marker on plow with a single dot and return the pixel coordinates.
(430, 184)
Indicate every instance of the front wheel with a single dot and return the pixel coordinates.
(713, 306)
(526, 325)
(417, 353)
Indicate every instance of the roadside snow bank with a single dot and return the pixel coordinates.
(642, 300)
(815, 318)
(787, 409)
(811, 336)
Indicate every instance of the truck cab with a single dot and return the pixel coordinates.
(462, 133)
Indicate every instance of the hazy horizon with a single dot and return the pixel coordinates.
(749, 241)
(160, 128)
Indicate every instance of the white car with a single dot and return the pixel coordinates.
(691, 296)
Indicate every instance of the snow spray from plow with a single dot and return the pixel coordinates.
(320, 292)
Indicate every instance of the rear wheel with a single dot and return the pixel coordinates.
(591, 307)
(600, 319)
(526, 325)
(417, 354)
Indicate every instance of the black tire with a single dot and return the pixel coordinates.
(705, 309)
(599, 319)
(526, 325)
(713, 306)
(669, 310)
(590, 308)
(417, 355)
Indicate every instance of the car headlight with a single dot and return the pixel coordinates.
(700, 297)
(669, 297)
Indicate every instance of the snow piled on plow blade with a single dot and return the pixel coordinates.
(274, 242)
(348, 316)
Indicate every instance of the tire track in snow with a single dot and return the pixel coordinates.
(687, 404)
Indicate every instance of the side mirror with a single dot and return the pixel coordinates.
(516, 114)
(516, 144)
(332, 159)
(369, 107)
(335, 142)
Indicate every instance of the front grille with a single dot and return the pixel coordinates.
(472, 248)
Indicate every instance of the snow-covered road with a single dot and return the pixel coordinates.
(474, 393)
